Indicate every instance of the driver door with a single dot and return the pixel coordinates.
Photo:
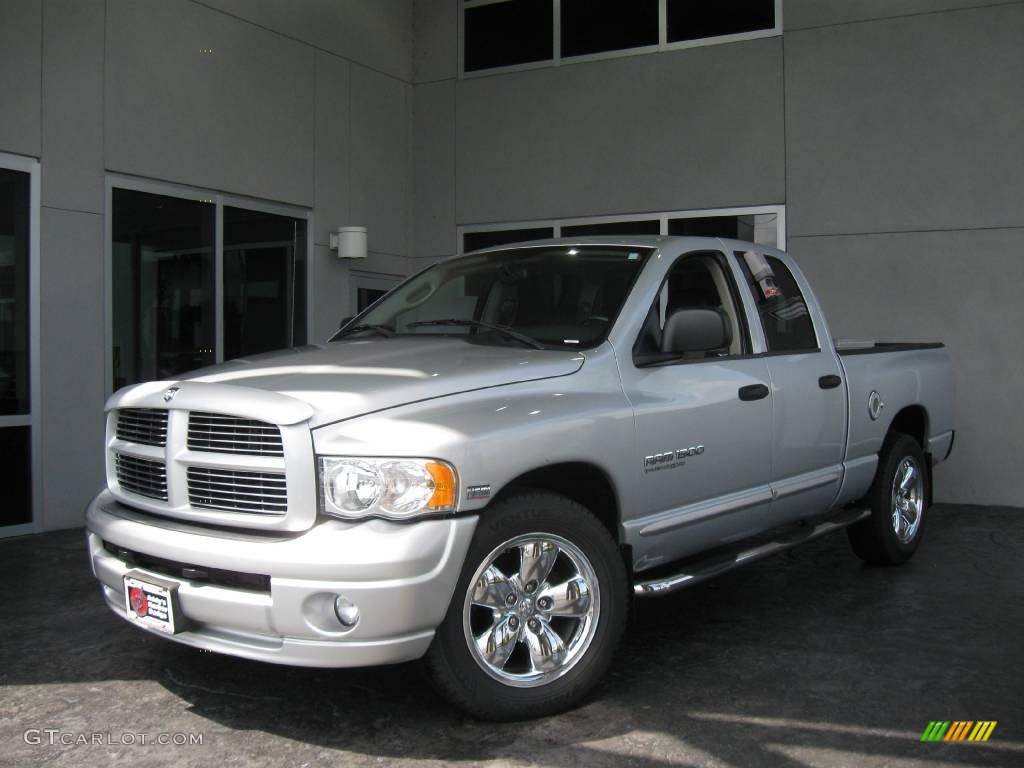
(703, 424)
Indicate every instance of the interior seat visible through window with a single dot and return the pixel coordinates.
(696, 281)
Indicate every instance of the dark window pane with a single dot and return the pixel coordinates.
(613, 228)
(512, 32)
(784, 316)
(706, 226)
(593, 26)
(264, 282)
(16, 476)
(366, 297)
(163, 322)
(760, 228)
(694, 19)
(474, 241)
(14, 256)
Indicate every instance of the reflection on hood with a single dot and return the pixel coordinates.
(350, 378)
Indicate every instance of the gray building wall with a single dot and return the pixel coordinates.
(891, 130)
(307, 103)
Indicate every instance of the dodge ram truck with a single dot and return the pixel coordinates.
(484, 468)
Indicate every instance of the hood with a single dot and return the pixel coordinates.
(349, 378)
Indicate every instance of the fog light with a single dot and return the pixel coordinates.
(346, 611)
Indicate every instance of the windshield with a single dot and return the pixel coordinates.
(551, 296)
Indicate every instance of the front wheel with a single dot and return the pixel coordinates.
(537, 613)
(898, 503)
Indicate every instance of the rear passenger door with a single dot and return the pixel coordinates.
(809, 408)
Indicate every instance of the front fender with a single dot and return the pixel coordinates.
(493, 436)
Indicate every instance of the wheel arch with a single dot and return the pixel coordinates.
(584, 482)
(912, 420)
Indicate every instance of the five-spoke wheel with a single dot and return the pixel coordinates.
(898, 500)
(537, 613)
(531, 609)
(907, 499)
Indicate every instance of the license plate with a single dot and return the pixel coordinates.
(150, 601)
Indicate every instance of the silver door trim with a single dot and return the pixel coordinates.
(664, 522)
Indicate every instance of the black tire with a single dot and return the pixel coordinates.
(455, 669)
(875, 539)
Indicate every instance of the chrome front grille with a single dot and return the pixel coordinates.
(143, 477)
(147, 426)
(262, 493)
(252, 470)
(217, 433)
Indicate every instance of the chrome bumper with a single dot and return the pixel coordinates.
(401, 577)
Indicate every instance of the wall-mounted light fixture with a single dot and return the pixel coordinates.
(349, 242)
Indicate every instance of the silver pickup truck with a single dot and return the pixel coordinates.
(484, 467)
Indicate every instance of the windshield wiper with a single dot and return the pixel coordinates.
(383, 330)
(520, 337)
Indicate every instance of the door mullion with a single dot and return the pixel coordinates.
(218, 281)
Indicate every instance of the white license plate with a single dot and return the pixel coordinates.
(150, 601)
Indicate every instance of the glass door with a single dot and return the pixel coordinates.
(17, 257)
(196, 278)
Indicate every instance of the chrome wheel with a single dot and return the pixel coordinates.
(531, 610)
(907, 500)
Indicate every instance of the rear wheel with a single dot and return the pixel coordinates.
(898, 503)
(537, 613)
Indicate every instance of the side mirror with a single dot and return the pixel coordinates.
(345, 321)
(696, 330)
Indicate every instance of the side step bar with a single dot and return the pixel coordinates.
(698, 571)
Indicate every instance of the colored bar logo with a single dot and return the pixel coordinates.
(959, 730)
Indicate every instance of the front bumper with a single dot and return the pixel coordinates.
(401, 577)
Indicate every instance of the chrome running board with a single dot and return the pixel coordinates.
(698, 571)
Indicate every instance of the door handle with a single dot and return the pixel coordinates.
(753, 392)
(829, 382)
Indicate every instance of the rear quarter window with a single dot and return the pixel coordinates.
(784, 315)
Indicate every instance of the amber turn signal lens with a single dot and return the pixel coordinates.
(444, 486)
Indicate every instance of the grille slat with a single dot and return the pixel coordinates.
(231, 441)
(225, 485)
(201, 486)
(221, 489)
(141, 476)
(147, 426)
(214, 433)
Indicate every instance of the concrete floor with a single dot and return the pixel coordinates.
(807, 659)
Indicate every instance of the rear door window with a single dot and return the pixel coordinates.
(784, 315)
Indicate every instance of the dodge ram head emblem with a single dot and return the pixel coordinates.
(170, 393)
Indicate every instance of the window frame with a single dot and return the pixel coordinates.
(747, 343)
(558, 60)
(663, 217)
(218, 199)
(32, 419)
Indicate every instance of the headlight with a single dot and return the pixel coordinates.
(398, 489)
